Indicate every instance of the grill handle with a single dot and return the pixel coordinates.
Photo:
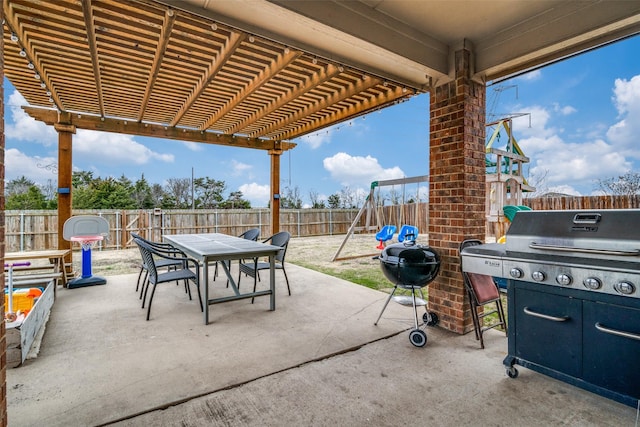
(617, 332)
(530, 312)
(542, 246)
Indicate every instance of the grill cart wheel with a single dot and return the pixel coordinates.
(418, 338)
(430, 319)
(512, 372)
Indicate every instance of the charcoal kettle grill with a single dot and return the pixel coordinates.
(411, 266)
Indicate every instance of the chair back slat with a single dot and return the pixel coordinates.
(280, 239)
(147, 258)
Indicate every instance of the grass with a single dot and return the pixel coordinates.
(369, 277)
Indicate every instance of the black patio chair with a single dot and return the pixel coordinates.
(250, 234)
(253, 268)
(170, 264)
(188, 271)
(482, 290)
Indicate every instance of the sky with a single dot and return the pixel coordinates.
(579, 123)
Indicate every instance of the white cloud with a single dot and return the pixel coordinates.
(624, 133)
(565, 165)
(531, 75)
(239, 168)
(356, 170)
(257, 194)
(114, 149)
(565, 111)
(37, 169)
(316, 140)
(193, 146)
(564, 189)
(21, 127)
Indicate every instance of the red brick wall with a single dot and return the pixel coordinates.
(456, 188)
(3, 332)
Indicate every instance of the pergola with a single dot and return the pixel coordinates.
(258, 74)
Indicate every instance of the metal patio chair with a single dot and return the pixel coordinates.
(189, 271)
(250, 234)
(168, 263)
(254, 267)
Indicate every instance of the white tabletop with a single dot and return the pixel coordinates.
(217, 246)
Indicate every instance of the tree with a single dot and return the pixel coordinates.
(32, 198)
(334, 201)
(291, 198)
(624, 185)
(113, 194)
(235, 201)
(157, 195)
(316, 202)
(142, 194)
(179, 189)
(347, 198)
(208, 192)
(81, 179)
(18, 186)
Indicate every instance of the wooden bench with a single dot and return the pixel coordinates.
(32, 279)
(48, 264)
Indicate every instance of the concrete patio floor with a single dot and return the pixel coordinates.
(316, 360)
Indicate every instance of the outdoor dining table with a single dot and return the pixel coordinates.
(209, 248)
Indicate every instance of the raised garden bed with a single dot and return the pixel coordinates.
(22, 334)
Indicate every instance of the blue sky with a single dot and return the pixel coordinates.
(581, 124)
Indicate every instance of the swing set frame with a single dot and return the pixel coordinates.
(370, 206)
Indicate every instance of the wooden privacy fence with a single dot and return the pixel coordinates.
(586, 202)
(38, 229)
(574, 203)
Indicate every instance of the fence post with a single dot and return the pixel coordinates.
(22, 231)
(330, 222)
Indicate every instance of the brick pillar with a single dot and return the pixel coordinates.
(3, 331)
(456, 186)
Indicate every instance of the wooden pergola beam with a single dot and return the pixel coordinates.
(165, 36)
(322, 76)
(338, 96)
(216, 64)
(281, 61)
(87, 12)
(52, 117)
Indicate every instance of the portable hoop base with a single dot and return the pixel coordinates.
(87, 278)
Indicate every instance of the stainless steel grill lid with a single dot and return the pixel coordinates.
(595, 250)
(611, 234)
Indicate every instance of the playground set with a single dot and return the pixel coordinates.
(375, 220)
(505, 179)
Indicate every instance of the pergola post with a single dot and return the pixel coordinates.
(275, 189)
(457, 185)
(65, 137)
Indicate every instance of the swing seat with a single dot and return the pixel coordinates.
(386, 233)
(408, 233)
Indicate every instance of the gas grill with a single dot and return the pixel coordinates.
(573, 286)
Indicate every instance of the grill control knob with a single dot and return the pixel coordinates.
(625, 288)
(563, 279)
(538, 276)
(516, 273)
(592, 283)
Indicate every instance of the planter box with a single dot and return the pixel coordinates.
(21, 335)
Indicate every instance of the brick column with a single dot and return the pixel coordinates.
(456, 186)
